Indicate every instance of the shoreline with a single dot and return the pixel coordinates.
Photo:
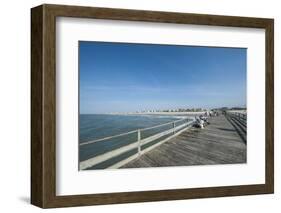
(158, 113)
(162, 113)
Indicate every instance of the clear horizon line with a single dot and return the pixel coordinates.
(151, 111)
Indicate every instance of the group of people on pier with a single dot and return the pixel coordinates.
(202, 120)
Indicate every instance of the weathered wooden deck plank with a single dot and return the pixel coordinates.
(218, 143)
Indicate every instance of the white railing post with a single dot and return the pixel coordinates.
(139, 142)
(174, 126)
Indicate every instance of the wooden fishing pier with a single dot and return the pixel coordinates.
(222, 141)
(217, 143)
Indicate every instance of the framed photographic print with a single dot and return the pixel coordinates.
(136, 106)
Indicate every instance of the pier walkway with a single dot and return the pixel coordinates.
(223, 141)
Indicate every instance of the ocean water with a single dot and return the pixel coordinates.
(96, 126)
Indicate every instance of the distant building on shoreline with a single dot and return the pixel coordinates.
(179, 110)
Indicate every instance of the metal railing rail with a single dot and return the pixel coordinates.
(107, 138)
(239, 115)
(130, 132)
(134, 145)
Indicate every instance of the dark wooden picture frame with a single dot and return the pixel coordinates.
(43, 105)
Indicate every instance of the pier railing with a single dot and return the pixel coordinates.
(141, 143)
(239, 122)
(240, 116)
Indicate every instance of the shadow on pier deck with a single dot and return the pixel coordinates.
(218, 143)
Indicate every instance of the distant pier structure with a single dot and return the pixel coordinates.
(223, 141)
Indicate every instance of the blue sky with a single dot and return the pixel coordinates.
(122, 77)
